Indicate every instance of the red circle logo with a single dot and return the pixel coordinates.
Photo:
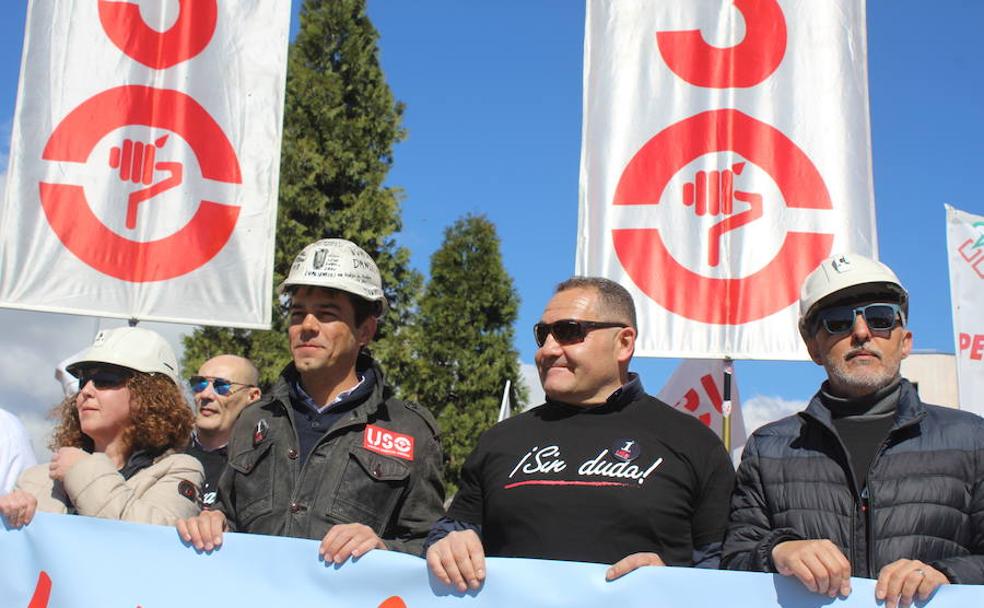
(188, 37)
(78, 228)
(722, 301)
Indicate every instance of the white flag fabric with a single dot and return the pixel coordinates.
(697, 388)
(144, 161)
(725, 154)
(965, 247)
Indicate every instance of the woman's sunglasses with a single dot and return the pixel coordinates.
(221, 386)
(103, 378)
(878, 316)
(568, 331)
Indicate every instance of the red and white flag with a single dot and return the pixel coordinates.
(965, 248)
(725, 154)
(145, 159)
(697, 387)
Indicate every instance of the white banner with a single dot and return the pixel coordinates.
(697, 387)
(725, 153)
(145, 159)
(965, 248)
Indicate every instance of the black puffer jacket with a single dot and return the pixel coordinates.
(924, 499)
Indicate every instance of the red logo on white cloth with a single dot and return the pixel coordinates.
(388, 443)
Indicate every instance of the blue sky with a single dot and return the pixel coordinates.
(493, 95)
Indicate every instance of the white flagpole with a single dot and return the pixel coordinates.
(504, 409)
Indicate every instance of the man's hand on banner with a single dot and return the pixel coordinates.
(632, 562)
(900, 582)
(818, 564)
(204, 531)
(18, 508)
(136, 162)
(713, 193)
(348, 540)
(457, 558)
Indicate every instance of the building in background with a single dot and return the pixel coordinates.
(935, 376)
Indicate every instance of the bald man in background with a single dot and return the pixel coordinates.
(223, 387)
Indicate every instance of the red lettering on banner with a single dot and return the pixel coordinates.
(712, 391)
(746, 64)
(387, 442)
(188, 37)
(714, 300)
(976, 346)
(42, 591)
(79, 229)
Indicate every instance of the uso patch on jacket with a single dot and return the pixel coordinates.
(387, 442)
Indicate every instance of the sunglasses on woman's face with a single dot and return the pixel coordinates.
(221, 386)
(103, 378)
(568, 331)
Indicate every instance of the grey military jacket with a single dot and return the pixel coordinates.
(379, 465)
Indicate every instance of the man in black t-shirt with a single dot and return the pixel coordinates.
(601, 472)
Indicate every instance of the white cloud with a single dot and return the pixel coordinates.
(762, 409)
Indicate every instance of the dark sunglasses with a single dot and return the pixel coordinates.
(221, 386)
(878, 316)
(103, 378)
(568, 331)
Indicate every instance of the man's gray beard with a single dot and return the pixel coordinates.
(860, 383)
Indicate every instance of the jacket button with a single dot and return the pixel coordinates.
(292, 454)
(296, 508)
(376, 471)
(247, 467)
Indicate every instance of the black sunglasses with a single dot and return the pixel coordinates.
(568, 331)
(878, 316)
(221, 386)
(103, 377)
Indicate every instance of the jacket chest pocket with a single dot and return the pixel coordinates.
(369, 489)
(253, 484)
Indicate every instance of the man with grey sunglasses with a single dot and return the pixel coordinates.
(868, 481)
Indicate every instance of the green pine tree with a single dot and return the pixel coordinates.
(340, 125)
(462, 342)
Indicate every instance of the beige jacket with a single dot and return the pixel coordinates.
(95, 488)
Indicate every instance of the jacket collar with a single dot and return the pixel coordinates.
(370, 395)
(910, 409)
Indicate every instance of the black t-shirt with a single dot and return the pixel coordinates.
(597, 484)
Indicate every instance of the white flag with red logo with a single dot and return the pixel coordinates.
(725, 154)
(145, 160)
(697, 387)
(965, 246)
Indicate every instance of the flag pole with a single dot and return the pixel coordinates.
(726, 405)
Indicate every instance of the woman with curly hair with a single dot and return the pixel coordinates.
(117, 447)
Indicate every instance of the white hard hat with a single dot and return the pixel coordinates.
(848, 274)
(136, 348)
(337, 264)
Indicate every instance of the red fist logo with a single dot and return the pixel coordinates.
(713, 193)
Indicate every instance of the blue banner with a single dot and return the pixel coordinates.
(68, 561)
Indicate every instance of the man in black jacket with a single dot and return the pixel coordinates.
(868, 481)
(329, 453)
